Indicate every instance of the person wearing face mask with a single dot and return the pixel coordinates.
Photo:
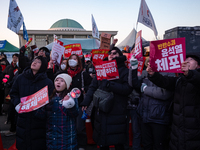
(63, 64)
(81, 80)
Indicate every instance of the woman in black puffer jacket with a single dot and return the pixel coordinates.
(110, 128)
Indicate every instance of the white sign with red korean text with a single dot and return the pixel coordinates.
(73, 49)
(57, 51)
(167, 55)
(107, 70)
(34, 101)
(138, 45)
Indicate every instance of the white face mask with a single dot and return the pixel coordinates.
(63, 66)
(72, 63)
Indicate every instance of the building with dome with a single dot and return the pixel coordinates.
(64, 28)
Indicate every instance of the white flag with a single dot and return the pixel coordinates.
(146, 18)
(95, 31)
(15, 18)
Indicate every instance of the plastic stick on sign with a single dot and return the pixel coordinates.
(29, 41)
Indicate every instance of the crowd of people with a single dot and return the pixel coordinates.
(164, 108)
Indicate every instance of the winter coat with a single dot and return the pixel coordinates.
(11, 71)
(80, 80)
(185, 130)
(155, 103)
(61, 126)
(31, 131)
(110, 128)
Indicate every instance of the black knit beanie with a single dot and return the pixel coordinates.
(117, 50)
(47, 52)
(44, 64)
(195, 56)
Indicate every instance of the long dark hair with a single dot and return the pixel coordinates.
(62, 94)
(79, 65)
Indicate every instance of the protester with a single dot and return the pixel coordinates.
(25, 61)
(3, 61)
(80, 80)
(89, 68)
(133, 100)
(111, 128)
(126, 49)
(154, 111)
(185, 128)
(31, 131)
(63, 64)
(11, 70)
(1, 90)
(61, 117)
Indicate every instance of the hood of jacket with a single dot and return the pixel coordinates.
(28, 73)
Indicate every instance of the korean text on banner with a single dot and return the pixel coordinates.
(34, 101)
(127, 62)
(57, 52)
(73, 49)
(105, 41)
(15, 18)
(107, 70)
(141, 62)
(98, 55)
(167, 55)
(138, 45)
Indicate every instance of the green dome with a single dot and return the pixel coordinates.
(66, 23)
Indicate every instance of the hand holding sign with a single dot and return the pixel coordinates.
(149, 70)
(185, 68)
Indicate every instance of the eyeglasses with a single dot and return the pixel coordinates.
(113, 53)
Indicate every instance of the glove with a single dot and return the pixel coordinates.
(134, 62)
(17, 107)
(68, 103)
(143, 86)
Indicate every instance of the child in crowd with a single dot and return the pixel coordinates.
(62, 111)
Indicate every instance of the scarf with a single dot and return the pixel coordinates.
(73, 72)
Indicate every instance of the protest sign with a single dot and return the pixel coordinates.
(127, 62)
(107, 70)
(34, 101)
(73, 49)
(167, 55)
(141, 62)
(138, 45)
(105, 41)
(57, 52)
(98, 55)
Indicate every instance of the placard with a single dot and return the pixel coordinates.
(167, 55)
(34, 101)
